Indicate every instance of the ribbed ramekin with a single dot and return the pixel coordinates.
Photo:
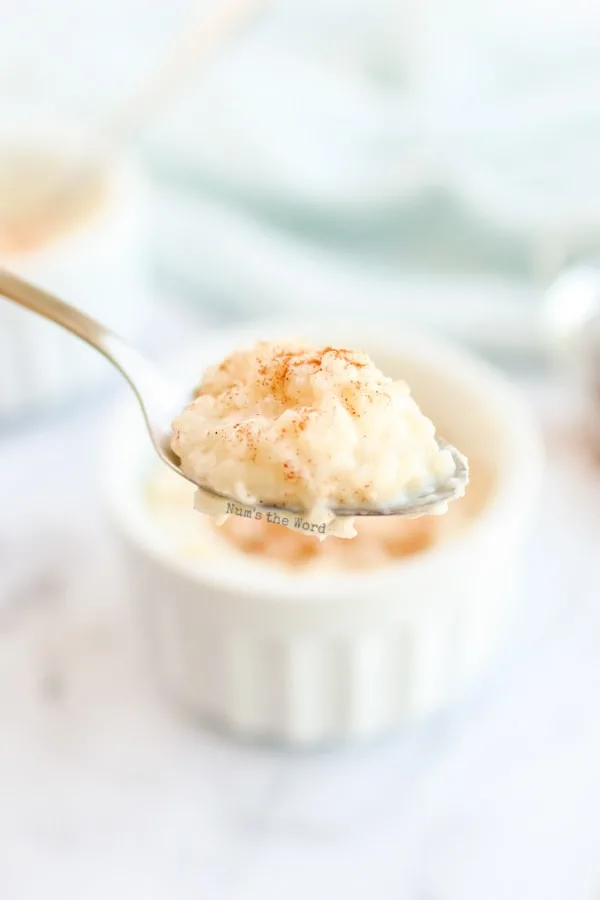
(98, 266)
(308, 660)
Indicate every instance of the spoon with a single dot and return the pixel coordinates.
(161, 401)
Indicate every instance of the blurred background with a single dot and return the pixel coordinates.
(433, 163)
(333, 154)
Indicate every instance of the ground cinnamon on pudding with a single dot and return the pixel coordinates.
(296, 426)
(284, 365)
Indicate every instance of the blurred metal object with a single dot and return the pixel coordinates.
(590, 369)
(572, 331)
(572, 304)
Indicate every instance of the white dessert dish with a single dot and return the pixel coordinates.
(94, 258)
(323, 655)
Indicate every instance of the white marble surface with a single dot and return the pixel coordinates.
(107, 793)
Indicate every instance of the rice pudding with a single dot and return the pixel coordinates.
(296, 426)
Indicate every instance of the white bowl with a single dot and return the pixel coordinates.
(97, 265)
(271, 654)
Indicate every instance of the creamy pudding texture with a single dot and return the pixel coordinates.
(303, 427)
(27, 180)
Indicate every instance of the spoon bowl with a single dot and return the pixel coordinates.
(161, 401)
(423, 504)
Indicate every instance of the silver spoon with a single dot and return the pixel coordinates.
(161, 401)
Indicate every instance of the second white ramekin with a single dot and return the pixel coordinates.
(99, 266)
(308, 660)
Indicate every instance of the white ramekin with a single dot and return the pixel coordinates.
(307, 660)
(98, 266)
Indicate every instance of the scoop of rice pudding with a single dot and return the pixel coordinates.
(296, 426)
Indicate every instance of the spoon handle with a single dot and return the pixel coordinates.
(37, 300)
(139, 372)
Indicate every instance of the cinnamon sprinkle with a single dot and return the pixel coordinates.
(284, 363)
(302, 425)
